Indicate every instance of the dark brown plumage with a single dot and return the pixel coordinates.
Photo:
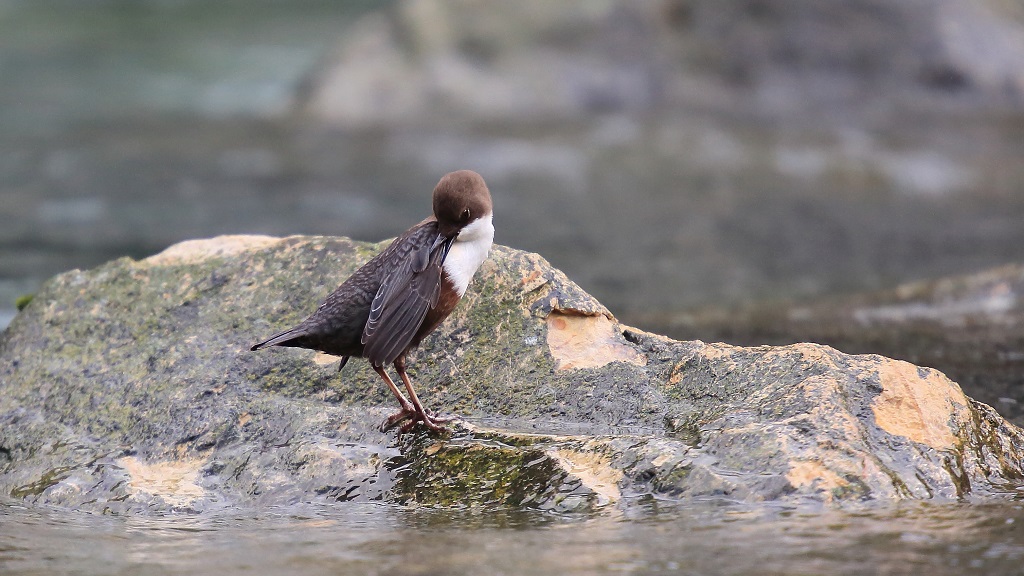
(393, 301)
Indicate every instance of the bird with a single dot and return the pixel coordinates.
(391, 303)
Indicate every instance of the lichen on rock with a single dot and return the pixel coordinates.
(130, 389)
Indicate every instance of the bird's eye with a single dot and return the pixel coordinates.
(465, 215)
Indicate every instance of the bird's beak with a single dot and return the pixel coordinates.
(443, 243)
(449, 231)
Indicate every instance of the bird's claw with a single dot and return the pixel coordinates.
(408, 418)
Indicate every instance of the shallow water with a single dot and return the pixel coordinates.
(713, 537)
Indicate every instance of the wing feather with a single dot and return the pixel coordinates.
(408, 292)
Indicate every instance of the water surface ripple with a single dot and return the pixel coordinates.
(713, 537)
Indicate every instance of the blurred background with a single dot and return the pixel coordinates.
(754, 171)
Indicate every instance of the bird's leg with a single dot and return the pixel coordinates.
(429, 420)
(408, 410)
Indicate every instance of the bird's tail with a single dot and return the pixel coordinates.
(281, 338)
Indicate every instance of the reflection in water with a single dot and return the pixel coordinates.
(710, 538)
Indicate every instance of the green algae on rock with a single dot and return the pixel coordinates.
(130, 389)
(22, 301)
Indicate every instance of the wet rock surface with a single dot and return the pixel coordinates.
(130, 389)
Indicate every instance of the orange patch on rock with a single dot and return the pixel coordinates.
(813, 474)
(594, 470)
(192, 251)
(917, 407)
(535, 279)
(321, 359)
(175, 481)
(588, 342)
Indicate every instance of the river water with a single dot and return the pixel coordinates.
(713, 537)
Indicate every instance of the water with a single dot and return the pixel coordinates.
(714, 537)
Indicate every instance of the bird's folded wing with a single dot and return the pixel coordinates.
(408, 292)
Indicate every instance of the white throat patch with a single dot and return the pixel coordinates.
(469, 251)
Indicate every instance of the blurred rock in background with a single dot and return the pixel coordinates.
(540, 61)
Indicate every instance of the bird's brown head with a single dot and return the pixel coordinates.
(460, 198)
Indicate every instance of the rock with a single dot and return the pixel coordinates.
(490, 60)
(130, 389)
(537, 60)
(970, 327)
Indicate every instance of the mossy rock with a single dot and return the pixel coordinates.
(130, 388)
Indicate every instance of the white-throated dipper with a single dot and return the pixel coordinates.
(391, 303)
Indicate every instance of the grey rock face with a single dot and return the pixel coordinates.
(130, 389)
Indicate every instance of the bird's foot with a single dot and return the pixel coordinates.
(397, 418)
(408, 418)
(433, 423)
